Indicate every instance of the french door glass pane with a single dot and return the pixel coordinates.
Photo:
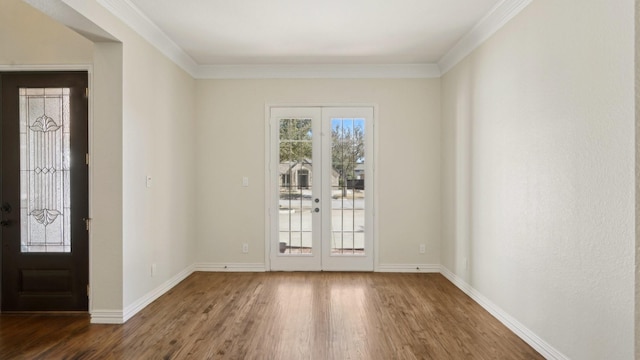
(295, 171)
(347, 186)
(44, 170)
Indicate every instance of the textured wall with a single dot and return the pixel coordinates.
(538, 174)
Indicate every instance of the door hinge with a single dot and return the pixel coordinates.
(88, 290)
(87, 222)
(86, 158)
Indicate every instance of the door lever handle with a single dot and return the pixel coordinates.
(5, 223)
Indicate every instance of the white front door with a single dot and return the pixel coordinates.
(321, 211)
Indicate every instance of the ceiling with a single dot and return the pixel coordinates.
(244, 32)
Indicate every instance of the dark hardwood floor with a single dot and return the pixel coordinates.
(281, 316)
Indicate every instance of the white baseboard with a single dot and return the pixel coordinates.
(151, 296)
(107, 317)
(242, 267)
(528, 336)
(408, 268)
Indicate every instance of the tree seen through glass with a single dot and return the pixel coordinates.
(347, 147)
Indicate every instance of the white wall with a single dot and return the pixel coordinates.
(231, 119)
(28, 37)
(158, 128)
(105, 261)
(537, 164)
(144, 124)
(538, 174)
(158, 140)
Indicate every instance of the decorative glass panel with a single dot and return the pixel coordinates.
(347, 186)
(44, 170)
(295, 170)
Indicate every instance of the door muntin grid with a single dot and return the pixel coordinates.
(342, 227)
(348, 186)
(295, 186)
(45, 201)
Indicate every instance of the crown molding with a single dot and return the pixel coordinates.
(334, 71)
(497, 17)
(128, 13)
(140, 23)
(487, 26)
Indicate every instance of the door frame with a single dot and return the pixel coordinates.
(89, 69)
(268, 179)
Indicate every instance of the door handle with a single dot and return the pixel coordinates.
(5, 207)
(316, 210)
(5, 223)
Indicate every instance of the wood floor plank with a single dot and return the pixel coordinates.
(281, 316)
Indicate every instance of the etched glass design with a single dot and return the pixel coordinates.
(44, 170)
(295, 180)
(347, 186)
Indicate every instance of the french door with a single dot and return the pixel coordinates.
(44, 191)
(321, 176)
